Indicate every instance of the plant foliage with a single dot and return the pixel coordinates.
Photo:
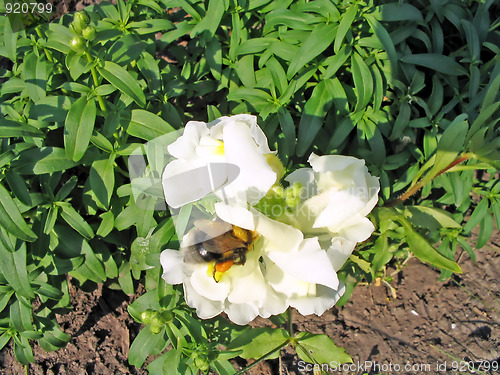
(411, 87)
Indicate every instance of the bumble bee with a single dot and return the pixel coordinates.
(218, 243)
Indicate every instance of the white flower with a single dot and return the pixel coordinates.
(226, 156)
(338, 192)
(282, 269)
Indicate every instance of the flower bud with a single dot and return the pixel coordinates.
(81, 19)
(167, 316)
(201, 361)
(77, 44)
(156, 324)
(75, 28)
(89, 33)
(147, 315)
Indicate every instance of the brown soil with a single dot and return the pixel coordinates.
(429, 323)
(431, 326)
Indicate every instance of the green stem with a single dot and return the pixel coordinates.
(102, 105)
(264, 357)
(290, 321)
(279, 347)
(412, 190)
(47, 52)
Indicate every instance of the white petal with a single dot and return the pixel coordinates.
(235, 215)
(357, 228)
(184, 147)
(241, 313)
(277, 236)
(373, 188)
(274, 304)
(207, 287)
(256, 176)
(339, 251)
(336, 170)
(185, 181)
(310, 264)
(287, 284)
(325, 299)
(205, 308)
(249, 289)
(341, 206)
(305, 177)
(172, 263)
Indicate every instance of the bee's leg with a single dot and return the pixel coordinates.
(214, 273)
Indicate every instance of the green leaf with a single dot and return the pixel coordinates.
(35, 75)
(75, 221)
(398, 11)
(386, 41)
(126, 49)
(212, 18)
(477, 215)
(449, 145)
(485, 230)
(123, 81)
(23, 351)
(101, 142)
(102, 180)
(11, 34)
(319, 39)
(430, 218)
(47, 290)
(256, 342)
(214, 57)
(53, 338)
(18, 186)
(125, 279)
(43, 160)
(440, 63)
(363, 81)
(424, 251)
(144, 344)
(255, 97)
(107, 223)
(147, 125)
(319, 349)
(10, 129)
(78, 127)
(150, 70)
(288, 129)
(52, 108)
(334, 62)
(402, 121)
(92, 268)
(382, 253)
(13, 266)
(345, 25)
(11, 218)
(314, 113)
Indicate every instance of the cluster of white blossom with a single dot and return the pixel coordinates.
(294, 261)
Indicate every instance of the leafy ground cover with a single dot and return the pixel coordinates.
(412, 87)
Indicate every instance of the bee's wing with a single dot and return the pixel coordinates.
(222, 244)
(213, 228)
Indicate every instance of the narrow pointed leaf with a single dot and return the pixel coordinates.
(123, 81)
(78, 128)
(319, 39)
(424, 251)
(13, 267)
(345, 25)
(11, 218)
(73, 218)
